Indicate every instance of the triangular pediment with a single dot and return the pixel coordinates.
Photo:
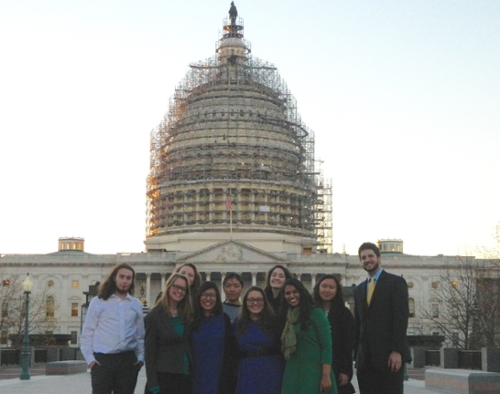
(231, 252)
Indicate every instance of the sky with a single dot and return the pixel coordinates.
(403, 98)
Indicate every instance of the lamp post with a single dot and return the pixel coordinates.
(25, 353)
(88, 297)
(144, 301)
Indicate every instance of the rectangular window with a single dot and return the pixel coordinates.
(435, 310)
(411, 307)
(74, 337)
(5, 309)
(3, 337)
(74, 309)
(49, 306)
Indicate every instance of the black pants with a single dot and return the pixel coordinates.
(174, 383)
(117, 373)
(379, 380)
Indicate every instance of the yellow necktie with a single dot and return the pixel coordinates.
(371, 288)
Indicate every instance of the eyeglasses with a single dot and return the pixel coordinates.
(179, 289)
(258, 301)
(212, 296)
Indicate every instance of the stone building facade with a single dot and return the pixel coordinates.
(67, 274)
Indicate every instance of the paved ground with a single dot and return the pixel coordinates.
(80, 383)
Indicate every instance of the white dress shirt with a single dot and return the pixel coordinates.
(112, 326)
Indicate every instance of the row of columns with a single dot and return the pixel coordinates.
(208, 274)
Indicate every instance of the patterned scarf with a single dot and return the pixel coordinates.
(288, 337)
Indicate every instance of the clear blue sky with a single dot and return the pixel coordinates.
(403, 97)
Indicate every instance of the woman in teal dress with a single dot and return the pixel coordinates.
(306, 344)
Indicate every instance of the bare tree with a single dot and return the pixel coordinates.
(12, 313)
(492, 254)
(488, 293)
(454, 302)
(487, 314)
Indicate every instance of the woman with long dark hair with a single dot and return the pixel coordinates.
(213, 344)
(327, 295)
(275, 280)
(261, 363)
(306, 343)
(168, 356)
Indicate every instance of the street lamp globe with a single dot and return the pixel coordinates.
(27, 284)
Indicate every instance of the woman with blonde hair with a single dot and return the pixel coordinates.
(167, 350)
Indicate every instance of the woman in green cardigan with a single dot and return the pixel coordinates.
(306, 344)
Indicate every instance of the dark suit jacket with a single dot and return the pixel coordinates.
(164, 348)
(342, 325)
(381, 327)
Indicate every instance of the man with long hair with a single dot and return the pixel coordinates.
(112, 340)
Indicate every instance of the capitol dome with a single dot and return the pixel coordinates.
(232, 159)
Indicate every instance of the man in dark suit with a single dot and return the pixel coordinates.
(381, 315)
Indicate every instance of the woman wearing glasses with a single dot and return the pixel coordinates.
(213, 344)
(167, 352)
(261, 363)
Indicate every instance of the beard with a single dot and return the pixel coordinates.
(374, 268)
(121, 291)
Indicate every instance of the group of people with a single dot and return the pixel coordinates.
(278, 340)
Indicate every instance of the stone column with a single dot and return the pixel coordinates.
(197, 208)
(208, 274)
(490, 359)
(252, 205)
(211, 205)
(254, 278)
(148, 289)
(222, 276)
(163, 276)
(449, 358)
(313, 280)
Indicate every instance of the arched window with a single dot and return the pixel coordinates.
(411, 307)
(49, 306)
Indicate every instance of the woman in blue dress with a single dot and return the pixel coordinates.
(261, 363)
(213, 344)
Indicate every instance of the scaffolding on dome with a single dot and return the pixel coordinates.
(232, 131)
